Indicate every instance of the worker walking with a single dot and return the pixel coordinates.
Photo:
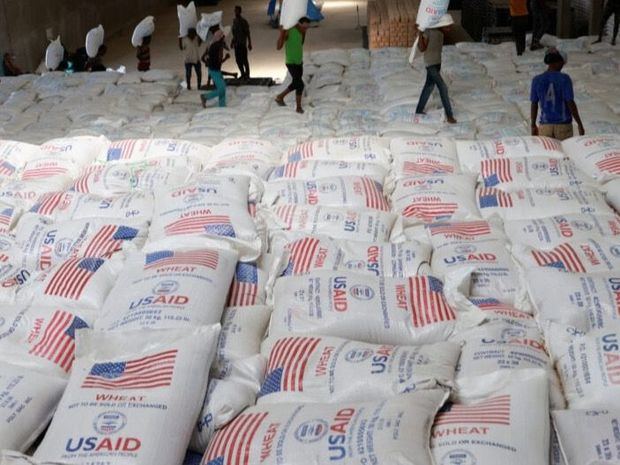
(293, 42)
(214, 63)
(431, 44)
(552, 91)
(539, 22)
(190, 46)
(241, 43)
(611, 8)
(519, 21)
(143, 54)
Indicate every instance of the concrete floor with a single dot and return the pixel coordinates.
(339, 29)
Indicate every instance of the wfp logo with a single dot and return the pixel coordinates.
(458, 457)
(166, 287)
(311, 431)
(358, 355)
(109, 422)
(361, 292)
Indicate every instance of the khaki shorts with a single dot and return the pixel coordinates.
(557, 131)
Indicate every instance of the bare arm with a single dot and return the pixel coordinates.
(423, 42)
(303, 37)
(249, 38)
(534, 117)
(282, 39)
(572, 106)
(180, 43)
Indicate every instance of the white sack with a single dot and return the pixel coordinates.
(94, 40)
(329, 369)
(169, 289)
(108, 394)
(306, 434)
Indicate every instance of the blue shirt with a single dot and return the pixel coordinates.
(552, 90)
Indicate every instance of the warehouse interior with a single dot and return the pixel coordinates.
(310, 232)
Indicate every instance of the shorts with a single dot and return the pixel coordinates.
(557, 131)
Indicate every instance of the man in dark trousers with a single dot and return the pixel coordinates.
(293, 42)
(611, 8)
(539, 22)
(241, 43)
(519, 22)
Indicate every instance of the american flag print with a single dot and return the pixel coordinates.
(301, 152)
(231, 445)
(289, 170)
(430, 209)
(373, 192)
(550, 144)
(48, 203)
(490, 198)
(148, 372)
(461, 229)
(45, 170)
(496, 171)
(492, 411)
(122, 149)
(206, 258)
(427, 301)
(7, 169)
(301, 255)
(108, 240)
(69, 279)
(488, 304)
(287, 364)
(286, 213)
(82, 183)
(217, 225)
(428, 167)
(6, 217)
(244, 288)
(57, 343)
(610, 164)
(563, 257)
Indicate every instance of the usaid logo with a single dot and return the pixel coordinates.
(166, 287)
(63, 247)
(109, 422)
(458, 457)
(361, 292)
(358, 355)
(311, 431)
(120, 174)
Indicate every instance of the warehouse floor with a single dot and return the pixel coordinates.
(339, 29)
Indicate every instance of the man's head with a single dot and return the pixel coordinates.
(191, 33)
(303, 23)
(555, 59)
(237, 11)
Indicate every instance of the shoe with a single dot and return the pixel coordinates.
(189, 87)
(203, 99)
(598, 41)
(535, 47)
(280, 102)
(451, 120)
(300, 110)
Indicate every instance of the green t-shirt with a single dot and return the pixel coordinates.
(294, 47)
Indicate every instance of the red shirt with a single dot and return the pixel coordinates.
(518, 8)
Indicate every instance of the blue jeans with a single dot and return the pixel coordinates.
(220, 88)
(433, 78)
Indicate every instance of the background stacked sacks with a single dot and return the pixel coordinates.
(235, 295)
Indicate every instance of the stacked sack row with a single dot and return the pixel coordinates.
(129, 279)
(402, 286)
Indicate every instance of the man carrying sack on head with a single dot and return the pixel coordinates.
(430, 43)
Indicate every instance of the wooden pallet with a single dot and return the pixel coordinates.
(391, 23)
